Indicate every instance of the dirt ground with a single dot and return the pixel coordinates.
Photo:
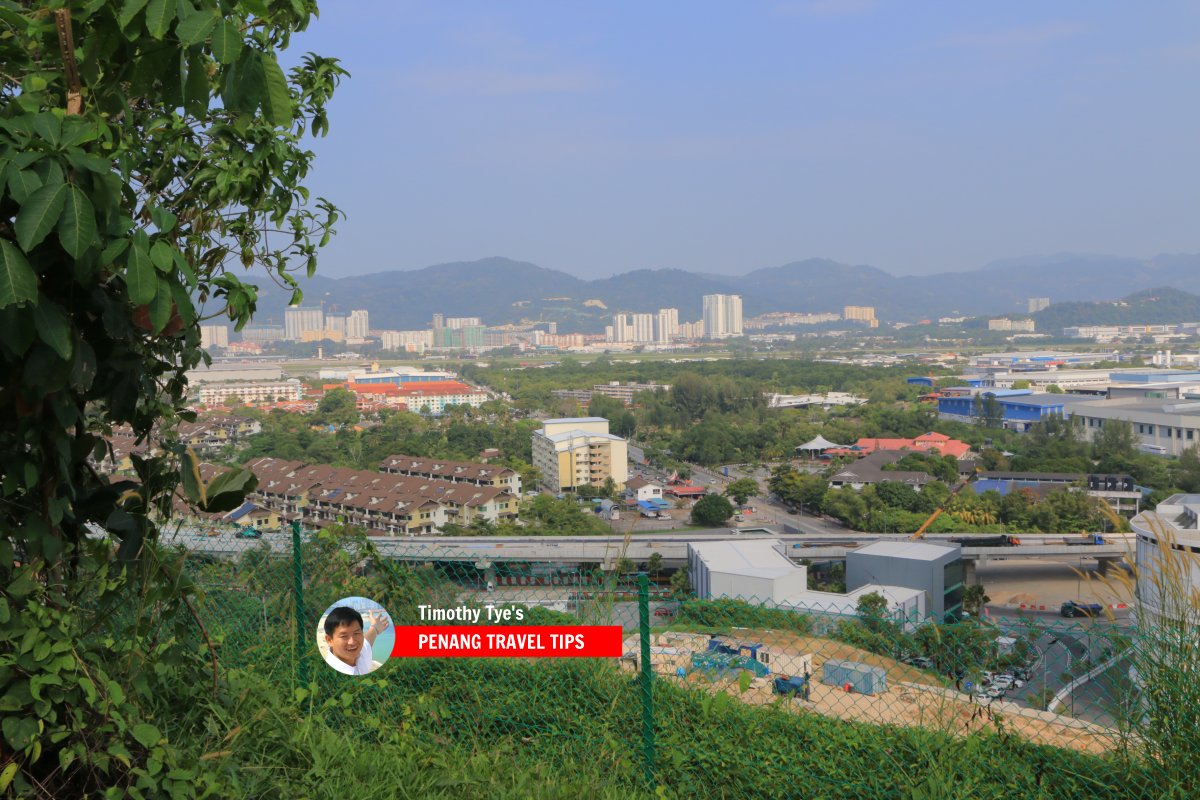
(1048, 582)
(914, 697)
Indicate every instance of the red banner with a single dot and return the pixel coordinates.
(497, 641)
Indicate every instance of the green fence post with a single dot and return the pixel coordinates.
(647, 678)
(298, 596)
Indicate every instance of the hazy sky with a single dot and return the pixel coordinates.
(725, 136)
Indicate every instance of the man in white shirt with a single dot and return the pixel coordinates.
(349, 644)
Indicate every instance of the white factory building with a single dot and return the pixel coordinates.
(757, 571)
(1175, 524)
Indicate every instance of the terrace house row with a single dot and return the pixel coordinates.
(386, 504)
(454, 471)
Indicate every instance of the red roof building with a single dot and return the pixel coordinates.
(936, 443)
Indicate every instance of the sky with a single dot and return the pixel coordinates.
(602, 137)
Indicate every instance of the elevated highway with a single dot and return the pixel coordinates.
(671, 547)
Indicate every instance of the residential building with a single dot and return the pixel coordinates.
(860, 314)
(212, 394)
(1006, 324)
(477, 473)
(263, 334)
(641, 490)
(214, 336)
(666, 325)
(223, 370)
(336, 324)
(358, 324)
(299, 320)
(407, 341)
(579, 451)
(389, 504)
(691, 330)
(780, 319)
(400, 376)
(722, 315)
(1036, 304)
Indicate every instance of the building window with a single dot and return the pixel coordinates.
(1189, 434)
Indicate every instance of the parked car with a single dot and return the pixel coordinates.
(664, 612)
(248, 533)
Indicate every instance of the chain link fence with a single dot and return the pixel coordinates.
(721, 698)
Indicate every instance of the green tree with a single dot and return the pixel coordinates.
(1021, 384)
(988, 411)
(681, 585)
(1054, 388)
(338, 407)
(151, 151)
(974, 599)
(742, 490)
(604, 406)
(1115, 443)
(654, 564)
(872, 609)
(711, 510)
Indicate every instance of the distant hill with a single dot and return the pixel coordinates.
(1150, 306)
(501, 290)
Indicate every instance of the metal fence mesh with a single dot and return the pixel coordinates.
(712, 697)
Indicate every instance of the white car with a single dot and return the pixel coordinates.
(1001, 682)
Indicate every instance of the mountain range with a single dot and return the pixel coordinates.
(500, 290)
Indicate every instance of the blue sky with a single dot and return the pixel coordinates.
(722, 137)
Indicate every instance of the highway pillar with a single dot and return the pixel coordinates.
(489, 571)
(969, 578)
(1105, 563)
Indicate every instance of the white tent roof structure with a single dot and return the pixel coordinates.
(819, 443)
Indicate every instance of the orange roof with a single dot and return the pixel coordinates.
(931, 441)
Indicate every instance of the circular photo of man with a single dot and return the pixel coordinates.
(355, 636)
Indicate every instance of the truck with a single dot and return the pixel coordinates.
(1085, 539)
(1001, 540)
(1074, 609)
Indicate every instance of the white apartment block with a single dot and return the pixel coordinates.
(358, 325)
(214, 336)
(666, 325)
(579, 451)
(1036, 304)
(251, 392)
(722, 315)
(299, 320)
(408, 341)
(1006, 324)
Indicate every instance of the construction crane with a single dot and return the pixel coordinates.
(937, 512)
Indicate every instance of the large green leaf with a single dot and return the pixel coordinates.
(160, 307)
(189, 475)
(53, 327)
(227, 42)
(228, 490)
(163, 256)
(159, 14)
(39, 214)
(18, 283)
(129, 11)
(141, 276)
(194, 26)
(22, 182)
(196, 87)
(277, 100)
(77, 223)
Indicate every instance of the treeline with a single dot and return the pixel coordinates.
(460, 435)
